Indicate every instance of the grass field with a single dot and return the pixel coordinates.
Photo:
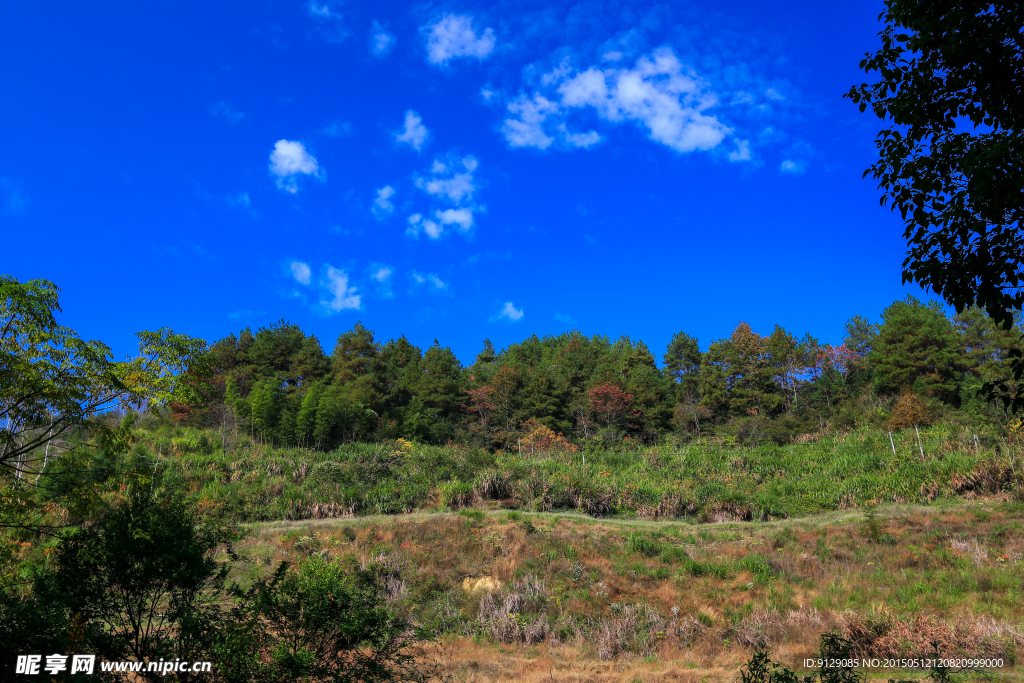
(706, 481)
(660, 563)
(542, 596)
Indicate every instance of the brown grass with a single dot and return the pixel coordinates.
(559, 597)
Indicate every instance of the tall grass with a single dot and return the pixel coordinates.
(706, 480)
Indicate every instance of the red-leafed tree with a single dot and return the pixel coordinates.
(480, 404)
(841, 357)
(611, 405)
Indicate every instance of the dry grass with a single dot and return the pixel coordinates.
(541, 597)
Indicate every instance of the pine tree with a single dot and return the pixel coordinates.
(916, 347)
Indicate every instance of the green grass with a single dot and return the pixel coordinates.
(703, 481)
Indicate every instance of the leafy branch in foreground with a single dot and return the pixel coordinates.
(53, 382)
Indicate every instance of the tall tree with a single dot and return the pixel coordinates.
(916, 348)
(682, 362)
(952, 86)
(353, 354)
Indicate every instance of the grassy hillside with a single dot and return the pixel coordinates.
(543, 596)
(704, 480)
(643, 563)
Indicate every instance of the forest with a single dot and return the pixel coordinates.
(914, 367)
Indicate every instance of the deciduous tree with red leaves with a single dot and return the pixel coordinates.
(611, 405)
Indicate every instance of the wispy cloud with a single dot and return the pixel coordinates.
(290, 160)
(301, 272)
(329, 20)
(382, 41)
(792, 166)
(339, 295)
(382, 206)
(382, 275)
(453, 36)
(414, 133)
(657, 93)
(430, 280)
(565, 319)
(741, 152)
(227, 112)
(509, 313)
(450, 182)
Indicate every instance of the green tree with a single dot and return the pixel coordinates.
(328, 623)
(682, 362)
(950, 75)
(143, 580)
(916, 347)
(394, 376)
(52, 382)
(340, 418)
(353, 354)
(785, 363)
(439, 382)
(987, 350)
(266, 401)
(305, 426)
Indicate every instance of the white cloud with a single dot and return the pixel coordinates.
(429, 279)
(382, 206)
(432, 229)
(450, 181)
(742, 151)
(657, 93)
(453, 36)
(289, 160)
(446, 181)
(792, 166)
(527, 129)
(417, 223)
(301, 272)
(381, 274)
(774, 95)
(462, 217)
(319, 9)
(415, 133)
(510, 313)
(565, 319)
(327, 14)
(584, 140)
(227, 112)
(342, 296)
(381, 40)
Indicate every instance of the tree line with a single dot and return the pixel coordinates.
(281, 386)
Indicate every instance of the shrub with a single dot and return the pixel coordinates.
(910, 410)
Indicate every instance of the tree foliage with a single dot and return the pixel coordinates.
(952, 85)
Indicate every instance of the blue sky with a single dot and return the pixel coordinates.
(444, 170)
